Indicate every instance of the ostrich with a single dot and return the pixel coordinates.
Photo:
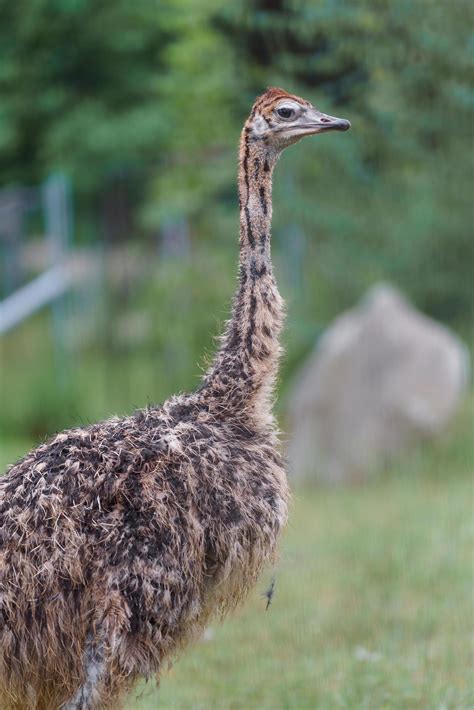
(120, 540)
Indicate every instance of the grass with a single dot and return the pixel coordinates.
(372, 606)
(373, 603)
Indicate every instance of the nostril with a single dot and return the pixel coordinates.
(325, 120)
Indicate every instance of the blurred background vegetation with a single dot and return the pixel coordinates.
(139, 105)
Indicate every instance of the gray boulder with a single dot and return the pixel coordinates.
(383, 377)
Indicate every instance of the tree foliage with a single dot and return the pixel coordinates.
(150, 96)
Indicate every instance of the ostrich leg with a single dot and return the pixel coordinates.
(87, 697)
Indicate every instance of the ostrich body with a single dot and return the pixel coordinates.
(120, 540)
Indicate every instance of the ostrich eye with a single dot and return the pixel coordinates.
(285, 112)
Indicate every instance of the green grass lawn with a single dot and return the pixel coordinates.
(373, 603)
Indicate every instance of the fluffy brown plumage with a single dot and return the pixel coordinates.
(120, 540)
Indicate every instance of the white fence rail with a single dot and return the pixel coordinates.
(53, 200)
(29, 299)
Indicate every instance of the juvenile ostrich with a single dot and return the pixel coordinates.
(119, 541)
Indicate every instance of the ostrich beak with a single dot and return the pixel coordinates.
(317, 122)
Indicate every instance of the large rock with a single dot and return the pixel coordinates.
(382, 378)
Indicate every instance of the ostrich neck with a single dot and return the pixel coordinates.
(242, 376)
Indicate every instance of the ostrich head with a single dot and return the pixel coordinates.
(280, 119)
